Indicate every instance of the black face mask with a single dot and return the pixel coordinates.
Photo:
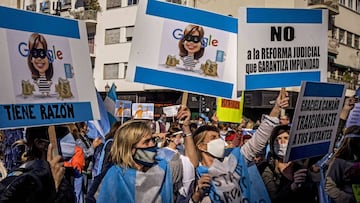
(145, 156)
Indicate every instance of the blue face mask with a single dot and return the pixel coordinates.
(145, 156)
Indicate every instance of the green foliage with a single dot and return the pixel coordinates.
(93, 5)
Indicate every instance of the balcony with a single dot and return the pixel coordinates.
(87, 15)
(66, 5)
(350, 82)
(331, 5)
(45, 6)
(31, 7)
(333, 45)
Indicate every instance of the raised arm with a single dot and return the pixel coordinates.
(259, 140)
(190, 150)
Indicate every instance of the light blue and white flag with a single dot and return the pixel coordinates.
(99, 127)
(110, 101)
(154, 185)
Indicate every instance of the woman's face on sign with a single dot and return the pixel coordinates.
(39, 59)
(192, 42)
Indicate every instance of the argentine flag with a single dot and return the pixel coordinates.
(128, 185)
(110, 101)
(99, 127)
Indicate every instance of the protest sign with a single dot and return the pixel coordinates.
(143, 111)
(171, 111)
(229, 110)
(123, 108)
(315, 120)
(281, 47)
(184, 48)
(46, 71)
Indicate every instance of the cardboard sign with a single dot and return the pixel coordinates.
(229, 110)
(143, 111)
(46, 71)
(315, 120)
(171, 111)
(123, 108)
(281, 47)
(185, 49)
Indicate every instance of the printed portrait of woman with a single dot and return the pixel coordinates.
(190, 46)
(39, 63)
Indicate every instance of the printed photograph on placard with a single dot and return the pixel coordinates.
(41, 67)
(193, 49)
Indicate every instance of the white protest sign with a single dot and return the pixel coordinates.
(315, 120)
(281, 47)
(354, 116)
(46, 71)
(143, 111)
(184, 48)
(171, 111)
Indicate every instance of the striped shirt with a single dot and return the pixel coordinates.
(43, 84)
(189, 62)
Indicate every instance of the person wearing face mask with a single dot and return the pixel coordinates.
(222, 174)
(182, 170)
(138, 175)
(286, 181)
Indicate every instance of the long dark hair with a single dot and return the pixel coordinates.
(276, 132)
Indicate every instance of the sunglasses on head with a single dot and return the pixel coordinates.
(38, 53)
(191, 38)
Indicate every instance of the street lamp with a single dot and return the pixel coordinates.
(107, 87)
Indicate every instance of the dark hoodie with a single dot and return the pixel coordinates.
(278, 185)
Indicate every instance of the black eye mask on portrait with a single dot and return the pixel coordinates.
(38, 53)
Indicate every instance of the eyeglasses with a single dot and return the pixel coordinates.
(192, 38)
(38, 53)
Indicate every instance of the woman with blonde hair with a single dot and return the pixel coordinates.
(138, 175)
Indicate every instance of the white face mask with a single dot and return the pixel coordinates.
(216, 148)
(280, 149)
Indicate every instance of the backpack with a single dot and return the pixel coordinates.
(31, 182)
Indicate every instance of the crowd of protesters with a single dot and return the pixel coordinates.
(181, 161)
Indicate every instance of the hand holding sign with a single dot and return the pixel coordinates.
(57, 168)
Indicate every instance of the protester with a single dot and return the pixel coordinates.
(285, 119)
(136, 173)
(102, 162)
(224, 172)
(287, 181)
(41, 177)
(343, 175)
(182, 170)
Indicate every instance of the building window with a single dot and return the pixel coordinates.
(341, 36)
(350, 4)
(132, 2)
(356, 41)
(112, 36)
(113, 4)
(129, 33)
(342, 2)
(349, 39)
(115, 71)
(357, 6)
